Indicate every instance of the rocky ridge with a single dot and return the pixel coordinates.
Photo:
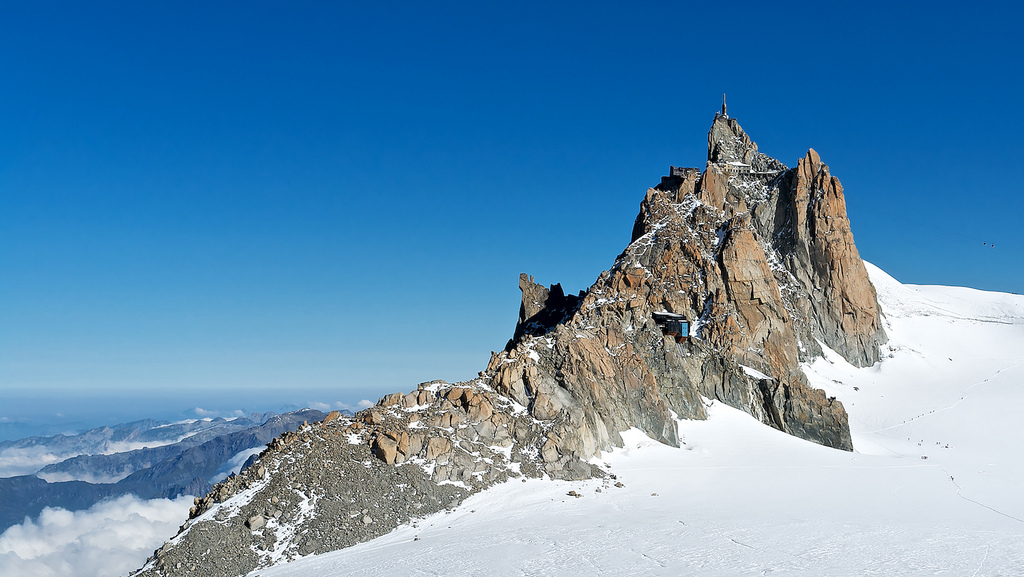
(759, 258)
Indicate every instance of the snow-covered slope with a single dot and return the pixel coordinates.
(933, 486)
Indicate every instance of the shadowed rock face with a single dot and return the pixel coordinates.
(757, 256)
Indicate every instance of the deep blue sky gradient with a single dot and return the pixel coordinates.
(278, 203)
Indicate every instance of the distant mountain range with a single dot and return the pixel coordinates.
(147, 458)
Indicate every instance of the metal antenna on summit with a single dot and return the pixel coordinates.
(723, 105)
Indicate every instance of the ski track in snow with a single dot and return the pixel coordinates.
(959, 493)
(957, 402)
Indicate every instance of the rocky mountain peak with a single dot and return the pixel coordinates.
(764, 270)
(733, 276)
(727, 142)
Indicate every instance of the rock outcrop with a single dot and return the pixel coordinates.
(758, 257)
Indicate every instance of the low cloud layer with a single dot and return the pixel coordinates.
(234, 465)
(211, 414)
(111, 538)
(340, 406)
(26, 460)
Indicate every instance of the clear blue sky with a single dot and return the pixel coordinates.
(252, 204)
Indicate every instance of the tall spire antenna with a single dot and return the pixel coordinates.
(723, 105)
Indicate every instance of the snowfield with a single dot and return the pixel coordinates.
(933, 487)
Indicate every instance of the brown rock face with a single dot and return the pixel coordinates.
(825, 262)
(764, 323)
(386, 449)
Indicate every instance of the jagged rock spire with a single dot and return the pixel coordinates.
(817, 247)
(727, 142)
